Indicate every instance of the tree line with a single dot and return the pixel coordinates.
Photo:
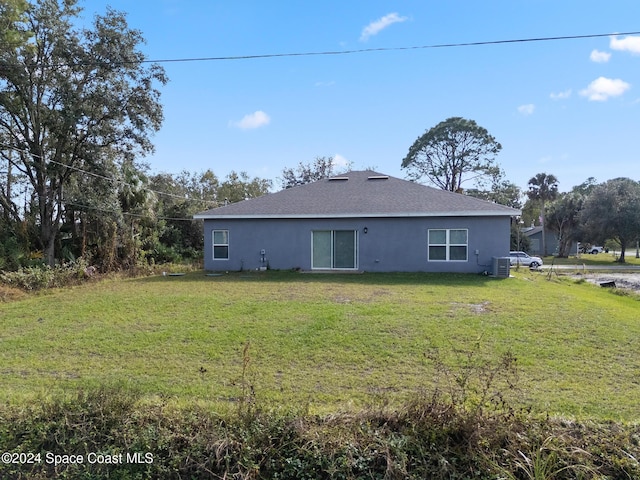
(134, 217)
(77, 109)
(596, 213)
(458, 150)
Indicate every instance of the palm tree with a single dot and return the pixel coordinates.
(543, 188)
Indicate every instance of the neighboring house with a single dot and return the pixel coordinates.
(358, 221)
(535, 239)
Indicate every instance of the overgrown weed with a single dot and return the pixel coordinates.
(437, 435)
(550, 460)
(475, 383)
(40, 277)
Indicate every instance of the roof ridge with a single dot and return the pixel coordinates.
(359, 197)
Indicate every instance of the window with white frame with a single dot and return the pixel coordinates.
(448, 245)
(221, 244)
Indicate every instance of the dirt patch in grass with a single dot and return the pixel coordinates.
(9, 294)
(629, 281)
(477, 308)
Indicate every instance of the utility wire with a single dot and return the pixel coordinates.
(97, 175)
(345, 52)
(103, 177)
(89, 207)
(390, 49)
(129, 214)
(308, 54)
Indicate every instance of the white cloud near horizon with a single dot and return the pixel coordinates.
(377, 26)
(527, 109)
(599, 57)
(253, 120)
(626, 44)
(561, 95)
(602, 88)
(340, 161)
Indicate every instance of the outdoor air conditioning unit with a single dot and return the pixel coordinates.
(501, 267)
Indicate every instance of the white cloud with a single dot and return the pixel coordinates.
(377, 26)
(628, 44)
(527, 109)
(340, 161)
(256, 119)
(561, 95)
(599, 57)
(602, 88)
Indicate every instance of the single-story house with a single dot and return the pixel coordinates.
(551, 239)
(358, 221)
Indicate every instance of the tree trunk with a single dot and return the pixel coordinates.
(8, 196)
(544, 240)
(48, 227)
(562, 247)
(623, 246)
(83, 247)
(48, 239)
(50, 251)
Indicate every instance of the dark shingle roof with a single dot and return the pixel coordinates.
(359, 194)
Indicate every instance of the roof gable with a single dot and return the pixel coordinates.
(359, 194)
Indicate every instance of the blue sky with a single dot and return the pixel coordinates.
(570, 107)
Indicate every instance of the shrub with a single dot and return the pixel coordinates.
(426, 439)
(42, 276)
(10, 253)
(466, 431)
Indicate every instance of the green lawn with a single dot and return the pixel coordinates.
(331, 342)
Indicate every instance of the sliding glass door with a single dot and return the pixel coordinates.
(334, 249)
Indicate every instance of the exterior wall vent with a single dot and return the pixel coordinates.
(378, 177)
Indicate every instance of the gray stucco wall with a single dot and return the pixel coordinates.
(551, 239)
(390, 244)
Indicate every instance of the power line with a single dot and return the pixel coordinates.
(389, 49)
(181, 197)
(346, 52)
(129, 214)
(104, 177)
(89, 207)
